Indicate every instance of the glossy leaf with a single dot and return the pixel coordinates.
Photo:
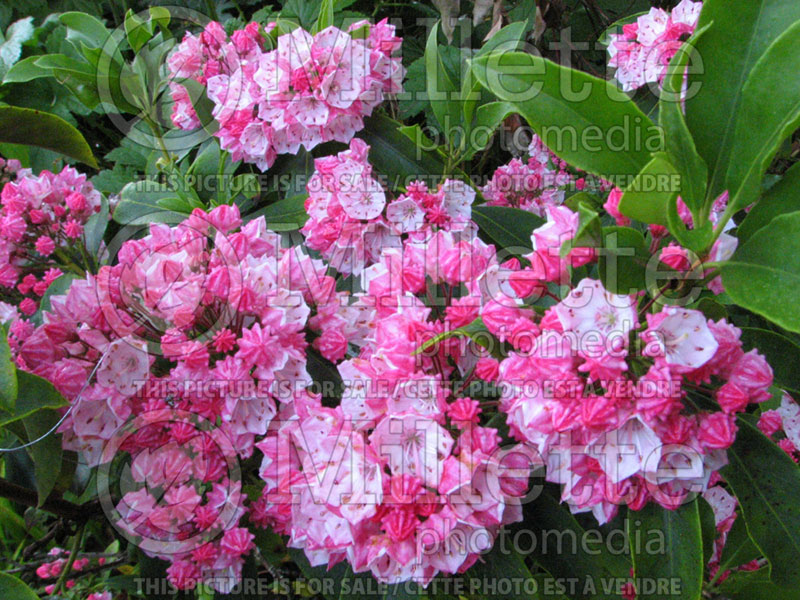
(766, 483)
(45, 453)
(739, 35)
(34, 394)
(440, 87)
(139, 204)
(394, 155)
(588, 566)
(45, 130)
(682, 558)
(587, 125)
(648, 196)
(8, 374)
(781, 198)
(764, 273)
(285, 215)
(770, 112)
(623, 259)
(680, 147)
(508, 228)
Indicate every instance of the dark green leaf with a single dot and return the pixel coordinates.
(739, 548)
(766, 483)
(138, 204)
(12, 588)
(285, 215)
(764, 273)
(46, 454)
(783, 197)
(397, 157)
(34, 394)
(623, 260)
(567, 553)
(45, 130)
(508, 228)
(8, 374)
(682, 557)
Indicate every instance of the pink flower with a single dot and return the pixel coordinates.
(45, 245)
(332, 345)
(612, 207)
(717, 430)
(770, 422)
(125, 367)
(237, 541)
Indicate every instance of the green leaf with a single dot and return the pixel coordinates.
(708, 528)
(440, 88)
(325, 18)
(739, 549)
(46, 454)
(766, 483)
(8, 374)
(781, 353)
(487, 118)
(590, 125)
(501, 565)
(509, 38)
(26, 70)
(764, 273)
(12, 588)
(95, 228)
(394, 155)
(697, 239)
(508, 228)
(45, 130)
(589, 233)
(680, 147)
(783, 197)
(34, 394)
(84, 28)
(769, 113)
(683, 548)
(568, 552)
(138, 204)
(753, 585)
(731, 47)
(285, 215)
(137, 30)
(650, 193)
(623, 259)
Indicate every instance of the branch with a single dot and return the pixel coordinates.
(57, 506)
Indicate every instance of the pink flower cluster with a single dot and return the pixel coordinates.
(203, 320)
(617, 427)
(310, 89)
(530, 185)
(348, 224)
(53, 569)
(643, 50)
(400, 479)
(41, 215)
